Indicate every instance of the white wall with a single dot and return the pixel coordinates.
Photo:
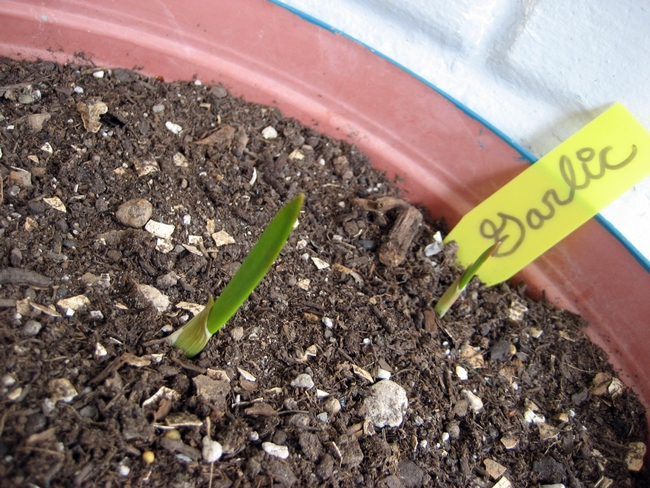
(537, 70)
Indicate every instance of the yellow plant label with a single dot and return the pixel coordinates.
(556, 195)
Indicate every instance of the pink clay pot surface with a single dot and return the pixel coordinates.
(447, 160)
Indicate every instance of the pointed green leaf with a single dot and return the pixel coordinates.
(256, 265)
(454, 291)
(194, 335)
(473, 269)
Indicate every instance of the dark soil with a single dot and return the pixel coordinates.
(553, 411)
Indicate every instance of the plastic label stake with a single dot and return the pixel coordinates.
(556, 195)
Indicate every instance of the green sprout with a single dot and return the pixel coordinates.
(194, 335)
(458, 286)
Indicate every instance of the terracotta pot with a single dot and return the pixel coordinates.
(445, 158)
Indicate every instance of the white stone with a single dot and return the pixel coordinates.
(328, 322)
(269, 133)
(332, 406)
(56, 203)
(211, 451)
(246, 375)
(475, 403)
(303, 381)
(222, 238)
(319, 263)
(100, 351)
(386, 404)
(274, 450)
(382, 374)
(503, 483)
(158, 229)
(98, 74)
(174, 128)
(533, 418)
(461, 373)
(180, 160)
(153, 295)
(47, 147)
(76, 303)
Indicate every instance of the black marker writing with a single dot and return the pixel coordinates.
(511, 231)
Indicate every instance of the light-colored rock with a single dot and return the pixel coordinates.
(21, 177)
(222, 238)
(319, 263)
(274, 450)
(158, 299)
(510, 442)
(180, 160)
(36, 121)
(163, 231)
(211, 451)
(146, 166)
(634, 458)
(303, 381)
(386, 404)
(475, 403)
(494, 469)
(332, 406)
(174, 128)
(269, 133)
(76, 303)
(62, 390)
(503, 483)
(134, 213)
(32, 328)
(55, 203)
(100, 351)
(461, 373)
(213, 391)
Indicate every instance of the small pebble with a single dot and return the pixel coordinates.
(461, 373)
(148, 457)
(98, 74)
(159, 108)
(303, 381)
(386, 404)
(15, 394)
(274, 450)
(173, 435)
(332, 406)
(475, 403)
(134, 213)
(269, 133)
(100, 351)
(123, 470)
(174, 128)
(212, 450)
(32, 328)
